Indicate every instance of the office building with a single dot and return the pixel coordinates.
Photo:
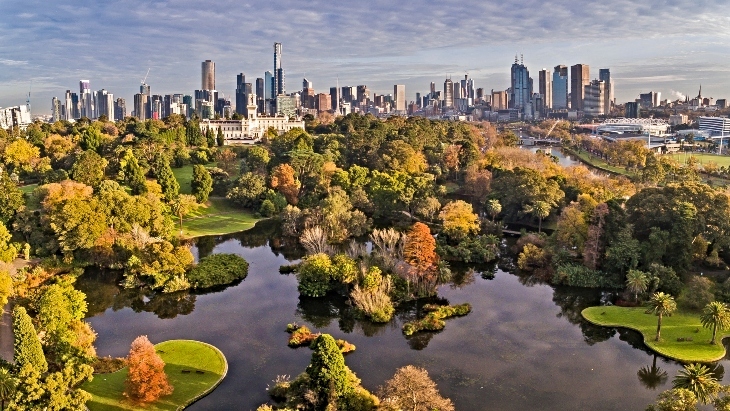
(86, 100)
(593, 102)
(55, 110)
(633, 109)
(560, 87)
(208, 75)
(399, 95)
(499, 100)
(448, 93)
(521, 89)
(348, 94)
(605, 76)
(120, 109)
(278, 85)
(287, 106)
(649, 100)
(68, 107)
(322, 102)
(260, 95)
(363, 96)
(335, 99)
(243, 90)
(105, 104)
(579, 78)
(545, 89)
(189, 103)
(141, 105)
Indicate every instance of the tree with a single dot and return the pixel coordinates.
(89, 168)
(201, 184)
(146, 379)
(167, 181)
(661, 304)
(678, 399)
(27, 348)
(283, 180)
(11, 198)
(183, 205)
(8, 384)
(226, 159)
(699, 379)
(493, 208)
(539, 209)
(8, 251)
(21, 156)
(419, 251)
(327, 371)
(248, 191)
(219, 138)
(412, 389)
(459, 220)
(636, 282)
(715, 315)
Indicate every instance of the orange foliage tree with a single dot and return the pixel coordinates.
(146, 380)
(284, 181)
(419, 251)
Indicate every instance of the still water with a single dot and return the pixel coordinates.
(523, 346)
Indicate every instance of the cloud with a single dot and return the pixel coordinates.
(8, 62)
(378, 42)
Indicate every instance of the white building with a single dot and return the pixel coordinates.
(717, 126)
(249, 130)
(17, 116)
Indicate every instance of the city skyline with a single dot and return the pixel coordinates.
(642, 52)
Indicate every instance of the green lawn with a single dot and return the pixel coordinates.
(598, 163)
(27, 189)
(178, 355)
(679, 325)
(216, 218)
(703, 158)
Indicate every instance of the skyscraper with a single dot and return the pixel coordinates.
(120, 109)
(399, 93)
(545, 86)
(68, 107)
(579, 78)
(87, 103)
(335, 98)
(363, 95)
(605, 76)
(521, 86)
(278, 84)
(141, 105)
(594, 98)
(560, 87)
(208, 77)
(348, 94)
(55, 110)
(448, 93)
(241, 94)
(260, 95)
(105, 104)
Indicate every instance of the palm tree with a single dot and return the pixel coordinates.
(652, 376)
(699, 379)
(493, 208)
(661, 304)
(715, 315)
(636, 282)
(7, 386)
(540, 209)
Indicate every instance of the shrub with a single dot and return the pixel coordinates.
(374, 301)
(532, 257)
(267, 208)
(360, 399)
(582, 276)
(301, 336)
(433, 321)
(473, 249)
(314, 275)
(698, 293)
(106, 365)
(217, 269)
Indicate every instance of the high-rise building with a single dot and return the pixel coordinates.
(189, 103)
(363, 95)
(105, 104)
(650, 99)
(68, 107)
(433, 88)
(208, 75)
(55, 110)
(86, 99)
(260, 95)
(545, 88)
(278, 82)
(141, 105)
(605, 76)
(120, 109)
(243, 89)
(594, 100)
(579, 78)
(521, 85)
(633, 109)
(322, 102)
(348, 94)
(448, 93)
(335, 99)
(399, 94)
(308, 95)
(499, 100)
(560, 87)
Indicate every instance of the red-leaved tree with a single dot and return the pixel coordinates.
(146, 380)
(419, 251)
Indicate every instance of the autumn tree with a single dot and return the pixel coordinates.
(412, 389)
(284, 181)
(419, 251)
(146, 379)
(459, 220)
(201, 184)
(226, 159)
(11, 198)
(477, 183)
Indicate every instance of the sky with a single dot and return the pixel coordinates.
(669, 46)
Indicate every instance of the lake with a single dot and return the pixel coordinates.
(524, 346)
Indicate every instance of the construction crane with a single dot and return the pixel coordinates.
(144, 80)
(27, 100)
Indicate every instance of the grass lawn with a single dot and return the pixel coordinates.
(216, 218)
(703, 158)
(27, 189)
(178, 355)
(679, 325)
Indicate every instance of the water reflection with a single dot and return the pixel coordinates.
(652, 376)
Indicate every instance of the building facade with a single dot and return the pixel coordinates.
(560, 87)
(579, 78)
(208, 75)
(545, 88)
(594, 100)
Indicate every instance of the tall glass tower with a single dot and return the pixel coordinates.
(278, 82)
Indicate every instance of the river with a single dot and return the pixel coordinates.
(524, 346)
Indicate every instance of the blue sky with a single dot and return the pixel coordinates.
(669, 46)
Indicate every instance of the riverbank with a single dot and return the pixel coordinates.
(597, 163)
(217, 217)
(682, 336)
(205, 364)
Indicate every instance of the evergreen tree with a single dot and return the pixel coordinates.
(27, 348)
(136, 179)
(193, 134)
(210, 138)
(327, 370)
(219, 138)
(168, 183)
(202, 183)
